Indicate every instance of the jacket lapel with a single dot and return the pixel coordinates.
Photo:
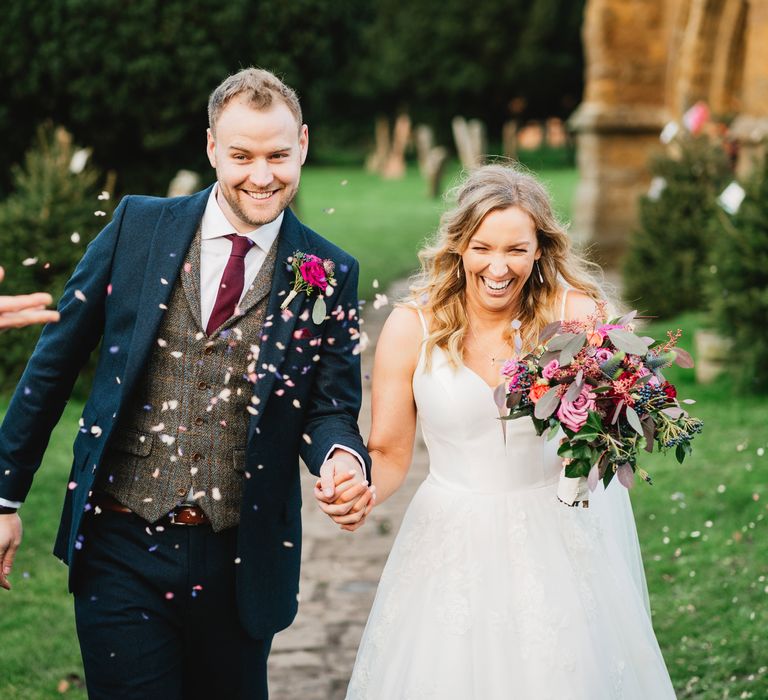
(173, 235)
(190, 278)
(279, 323)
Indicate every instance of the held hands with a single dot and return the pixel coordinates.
(10, 539)
(25, 309)
(342, 492)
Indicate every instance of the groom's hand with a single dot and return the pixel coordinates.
(10, 539)
(342, 492)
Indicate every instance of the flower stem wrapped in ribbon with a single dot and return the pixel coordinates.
(311, 275)
(602, 386)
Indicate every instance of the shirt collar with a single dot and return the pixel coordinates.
(215, 224)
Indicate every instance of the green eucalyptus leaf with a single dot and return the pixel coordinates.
(548, 356)
(634, 420)
(626, 476)
(499, 396)
(547, 404)
(640, 382)
(626, 319)
(602, 389)
(628, 342)
(617, 412)
(548, 331)
(649, 431)
(683, 358)
(573, 391)
(318, 310)
(560, 341)
(573, 346)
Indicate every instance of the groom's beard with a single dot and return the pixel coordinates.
(250, 212)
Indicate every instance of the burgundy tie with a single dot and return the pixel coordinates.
(232, 282)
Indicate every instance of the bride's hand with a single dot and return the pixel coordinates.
(353, 503)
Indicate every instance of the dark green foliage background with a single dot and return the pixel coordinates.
(739, 283)
(49, 203)
(667, 266)
(131, 79)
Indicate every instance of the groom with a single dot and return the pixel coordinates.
(181, 524)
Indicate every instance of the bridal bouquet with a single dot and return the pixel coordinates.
(602, 385)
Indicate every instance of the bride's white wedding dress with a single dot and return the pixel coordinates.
(494, 589)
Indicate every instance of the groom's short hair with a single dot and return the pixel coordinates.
(259, 87)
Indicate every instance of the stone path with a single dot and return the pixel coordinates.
(312, 659)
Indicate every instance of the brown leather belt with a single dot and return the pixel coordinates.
(181, 515)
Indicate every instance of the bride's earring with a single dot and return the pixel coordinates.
(458, 272)
(538, 272)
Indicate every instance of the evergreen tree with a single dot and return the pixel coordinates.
(739, 284)
(44, 228)
(667, 264)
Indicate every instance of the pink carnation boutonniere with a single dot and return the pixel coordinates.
(311, 275)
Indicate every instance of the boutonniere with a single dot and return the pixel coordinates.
(312, 275)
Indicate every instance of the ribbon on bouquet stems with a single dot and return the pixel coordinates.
(573, 491)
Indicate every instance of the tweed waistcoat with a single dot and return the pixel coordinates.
(186, 424)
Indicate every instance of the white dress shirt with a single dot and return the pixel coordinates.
(215, 251)
(214, 254)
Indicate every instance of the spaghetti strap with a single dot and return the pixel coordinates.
(423, 320)
(562, 306)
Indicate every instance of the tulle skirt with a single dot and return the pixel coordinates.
(508, 595)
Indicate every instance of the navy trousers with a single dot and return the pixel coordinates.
(156, 613)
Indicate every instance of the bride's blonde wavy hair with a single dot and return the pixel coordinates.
(440, 286)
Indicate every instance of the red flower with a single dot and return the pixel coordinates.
(313, 272)
(669, 390)
(629, 377)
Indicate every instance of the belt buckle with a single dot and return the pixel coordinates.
(172, 517)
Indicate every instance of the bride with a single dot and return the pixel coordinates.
(493, 589)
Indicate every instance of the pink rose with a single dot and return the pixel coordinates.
(573, 414)
(603, 330)
(603, 355)
(313, 272)
(549, 369)
(510, 368)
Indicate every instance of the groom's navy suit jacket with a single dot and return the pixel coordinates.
(117, 295)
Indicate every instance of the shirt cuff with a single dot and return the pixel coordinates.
(346, 449)
(17, 504)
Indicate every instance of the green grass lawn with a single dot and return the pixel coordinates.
(702, 524)
(37, 628)
(702, 528)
